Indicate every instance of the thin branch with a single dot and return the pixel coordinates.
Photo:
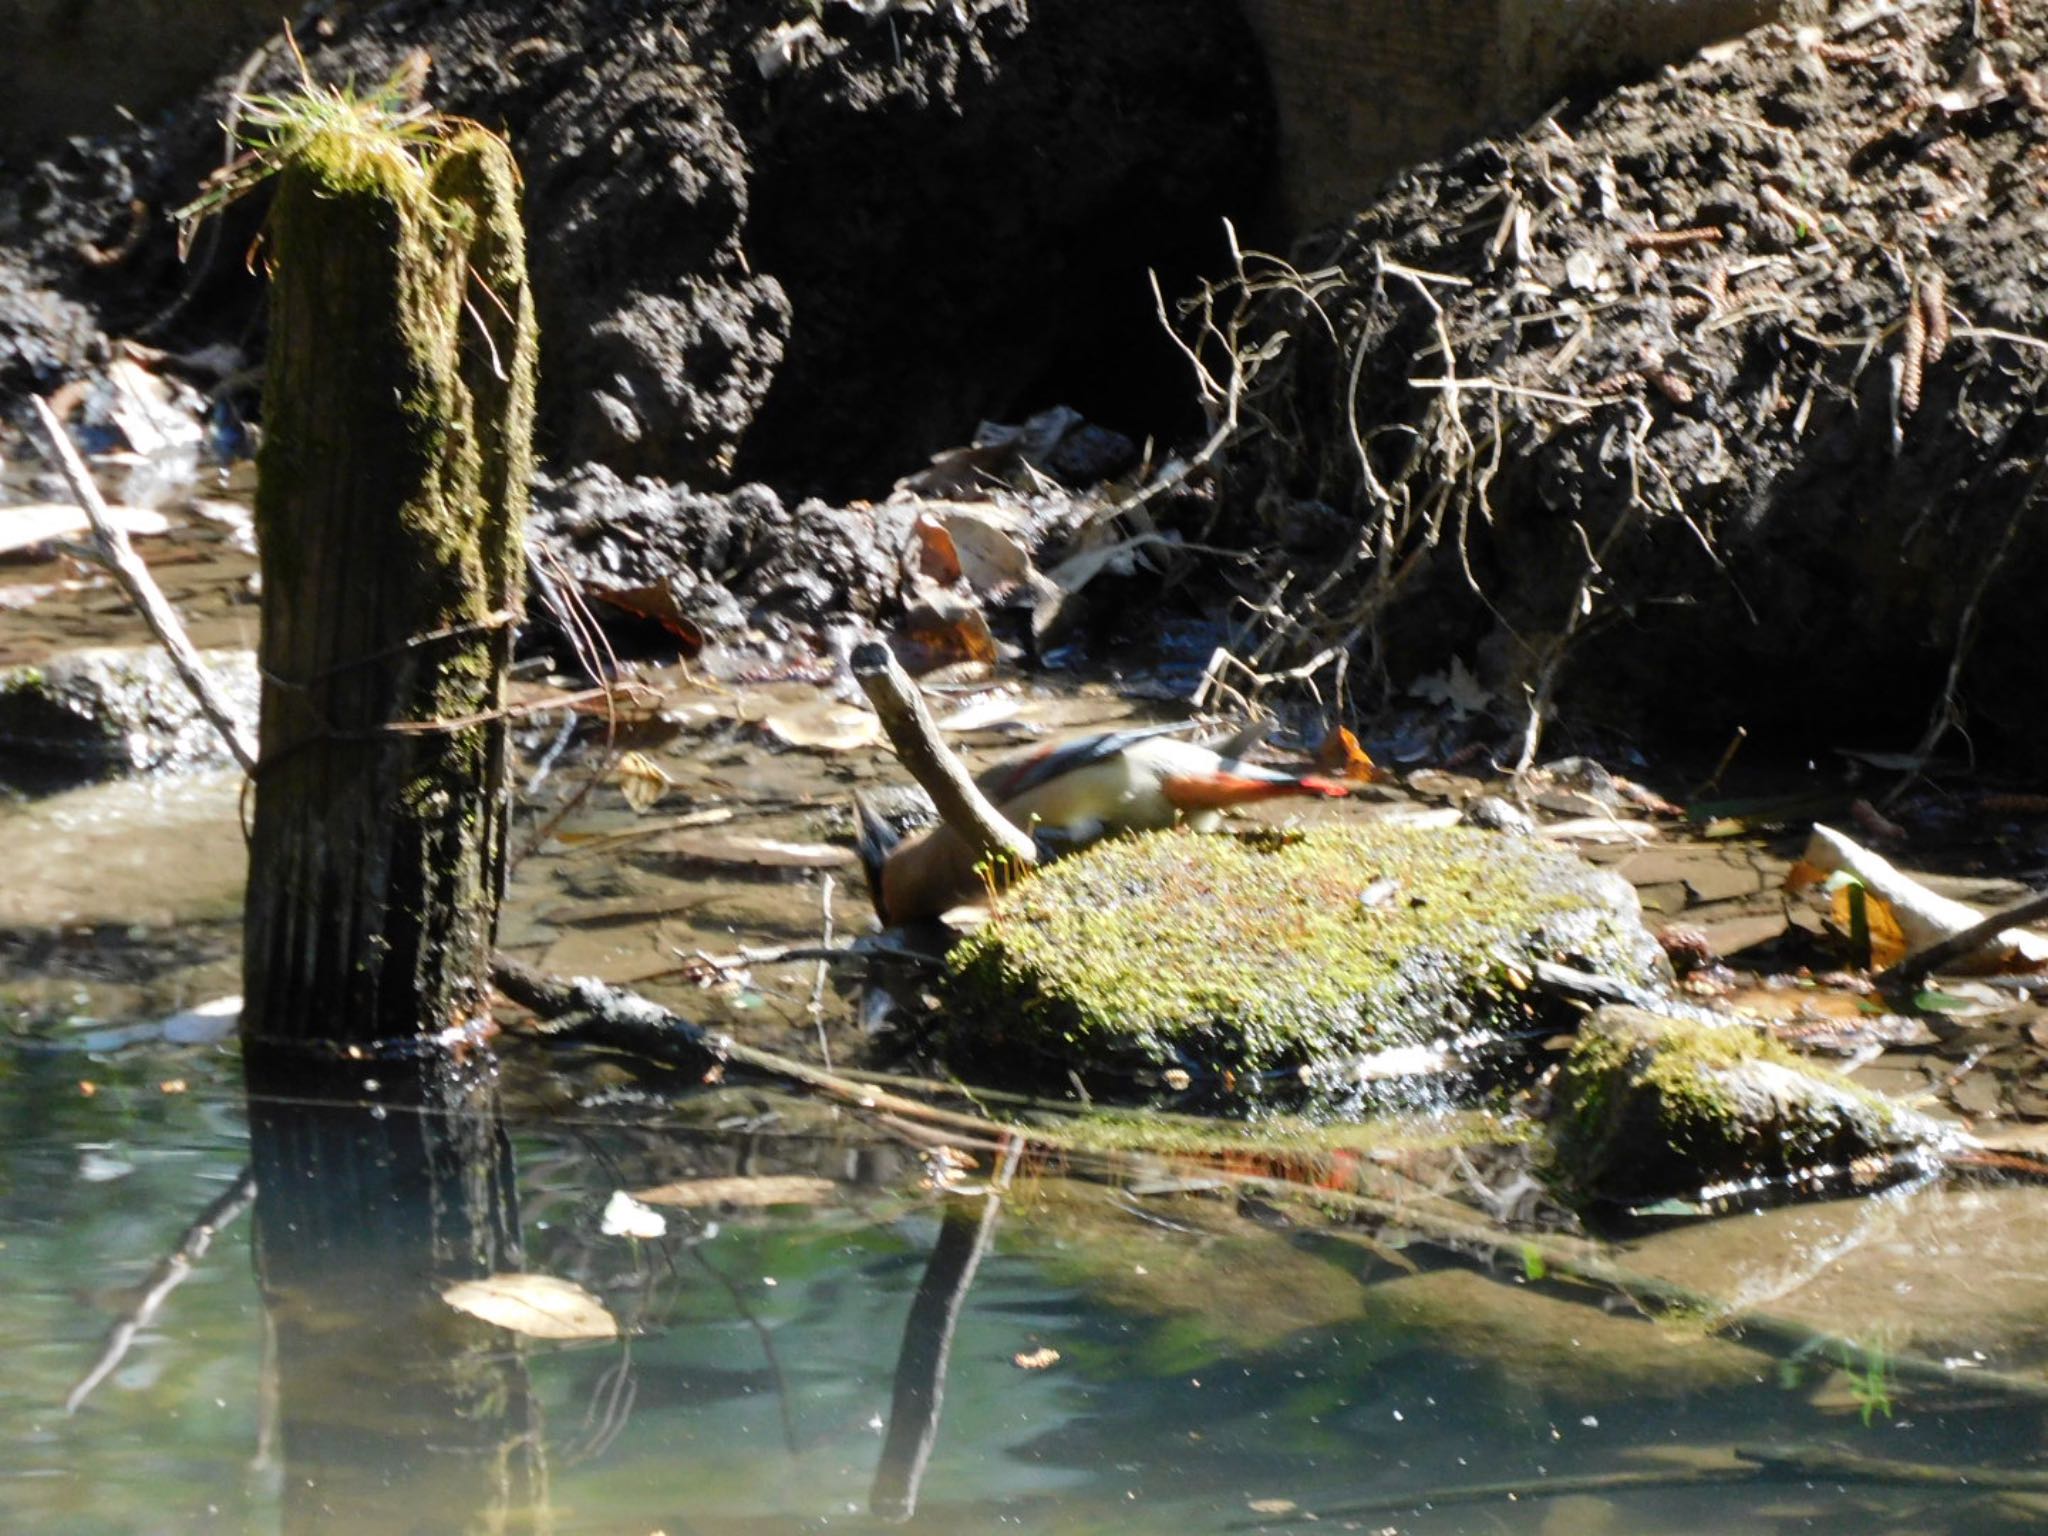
(171, 1271)
(111, 544)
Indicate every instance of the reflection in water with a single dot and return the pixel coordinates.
(920, 1388)
(1219, 1365)
(395, 1410)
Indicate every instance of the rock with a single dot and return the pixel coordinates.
(97, 714)
(1649, 1108)
(1221, 957)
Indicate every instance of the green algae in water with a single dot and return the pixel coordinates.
(1270, 954)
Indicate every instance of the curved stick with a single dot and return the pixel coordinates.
(938, 770)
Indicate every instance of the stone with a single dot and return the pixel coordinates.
(107, 711)
(1647, 1108)
(1250, 961)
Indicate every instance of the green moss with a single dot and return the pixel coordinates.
(1647, 1108)
(1280, 1137)
(1254, 955)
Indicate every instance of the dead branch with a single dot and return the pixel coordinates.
(171, 1271)
(117, 555)
(1916, 967)
(937, 769)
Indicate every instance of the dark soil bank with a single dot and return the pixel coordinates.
(767, 243)
(1729, 380)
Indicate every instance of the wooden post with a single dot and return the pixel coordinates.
(398, 409)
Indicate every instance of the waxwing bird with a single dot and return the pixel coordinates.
(1067, 796)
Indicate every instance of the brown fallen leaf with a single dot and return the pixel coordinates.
(538, 1306)
(825, 725)
(641, 780)
(937, 558)
(752, 1193)
(943, 630)
(988, 551)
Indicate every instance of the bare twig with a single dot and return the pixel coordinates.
(114, 551)
(172, 1271)
(937, 769)
(824, 971)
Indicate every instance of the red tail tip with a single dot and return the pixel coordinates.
(1314, 785)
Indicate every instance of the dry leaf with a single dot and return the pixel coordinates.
(825, 725)
(1456, 687)
(539, 1306)
(980, 713)
(937, 559)
(1887, 940)
(753, 1193)
(761, 852)
(943, 631)
(1082, 567)
(641, 780)
(1341, 757)
(1035, 1359)
(987, 553)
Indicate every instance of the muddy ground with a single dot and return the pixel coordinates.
(1733, 381)
(816, 279)
(1745, 427)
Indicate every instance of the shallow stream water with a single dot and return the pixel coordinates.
(1144, 1346)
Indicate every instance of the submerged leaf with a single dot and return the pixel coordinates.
(642, 781)
(825, 725)
(766, 1190)
(539, 1306)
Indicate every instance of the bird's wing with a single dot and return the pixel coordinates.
(1006, 781)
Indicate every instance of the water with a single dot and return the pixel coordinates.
(1142, 1347)
(1218, 1366)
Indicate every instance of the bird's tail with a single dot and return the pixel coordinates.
(874, 840)
(1243, 784)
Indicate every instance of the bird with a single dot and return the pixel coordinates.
(1068, 795)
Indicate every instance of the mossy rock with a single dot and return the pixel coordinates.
(1648, 1109)
(1231, 957)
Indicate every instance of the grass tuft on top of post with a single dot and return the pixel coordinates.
(383, 138)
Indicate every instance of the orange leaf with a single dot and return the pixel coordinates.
(1888, 944)
(936, 556)
(1341, 757)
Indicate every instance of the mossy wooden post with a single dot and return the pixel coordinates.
(398, 412)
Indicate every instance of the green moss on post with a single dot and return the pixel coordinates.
(398, 410)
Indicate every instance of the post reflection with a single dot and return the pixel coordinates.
(377, 1189)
